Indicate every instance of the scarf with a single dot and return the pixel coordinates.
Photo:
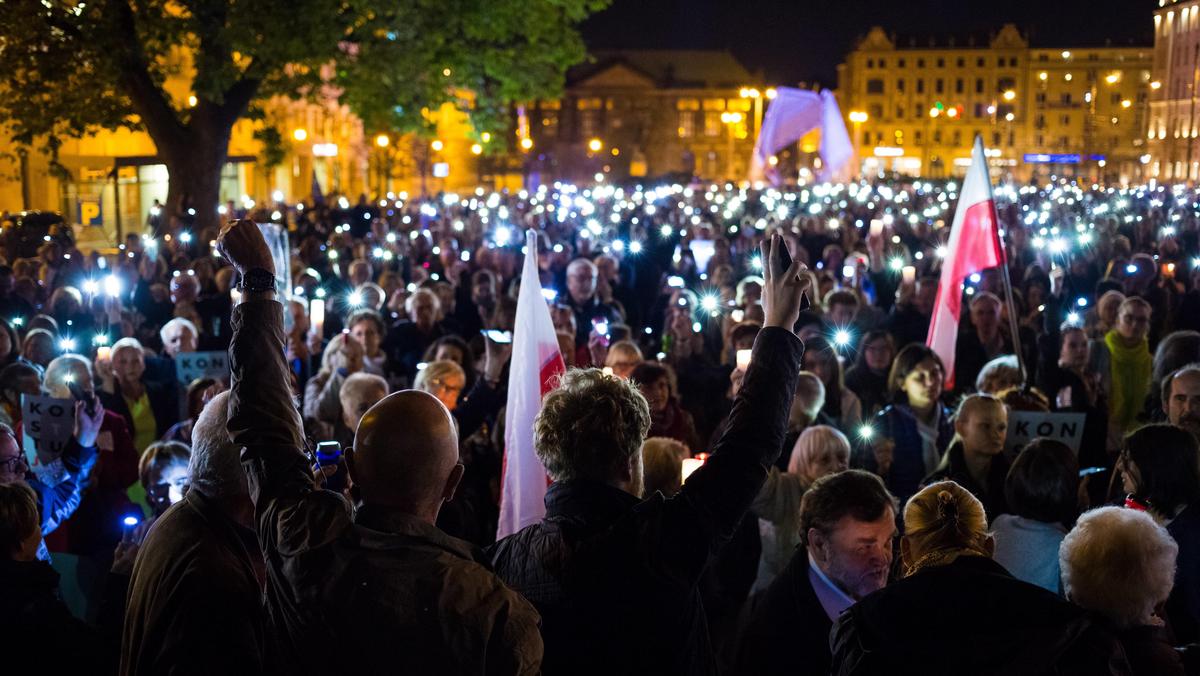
(1131, 369)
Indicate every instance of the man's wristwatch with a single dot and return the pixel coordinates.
(257, 280)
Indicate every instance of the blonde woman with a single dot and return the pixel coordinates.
(956, 611)
(443, 379)
(820, 450)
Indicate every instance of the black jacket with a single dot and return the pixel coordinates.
(954, 468)
(970, 617)
(40, 634)
(1183, 605)
(195, 597)
(788, 630)
(164, 403)
(614, 578)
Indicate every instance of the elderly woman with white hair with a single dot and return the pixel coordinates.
(1120, 564)
(820, 450)
(149, 408)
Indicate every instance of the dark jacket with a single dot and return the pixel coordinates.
(1148, 652)
(898, 423)
(787, 632)
(164, 403)
(1183, 605)
(970, 617)
(615, 578)
(39, 633)
(991, 493)
(195, 598)
(388, 591)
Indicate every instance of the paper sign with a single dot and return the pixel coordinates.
(192, 365)
(47, 425)
(1025, 426)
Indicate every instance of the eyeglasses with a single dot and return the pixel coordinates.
(14, 463)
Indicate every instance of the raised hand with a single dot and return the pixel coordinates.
(782, 289)
(243, 245)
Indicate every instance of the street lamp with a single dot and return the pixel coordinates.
(1010, 95)
(595, 145)
(857, 118)
(299, 134)
(526, 144)
(476, 149)
(382, 140)
(437, 145)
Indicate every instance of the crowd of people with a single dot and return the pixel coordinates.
(756, 465)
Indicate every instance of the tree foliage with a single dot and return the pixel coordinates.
(68, 67)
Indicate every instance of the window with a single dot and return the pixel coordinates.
(941, 63)
(1065, 120)
(1043, 57)
(958, 86)
(957, 137)
(883, 63)
(549, 124)
(875, 86)
(995, 138)
(1040, 122)
(1066, 98)
(1116, 98)
(918, 110)
(870, 63)
(866, 138)
(917, 137)
(920, 86)
(978, 85)
(980, 110)
(961, 62)
(1012, 62)
(900, 63)
(939, 86)
(920, 63)
(875, 111)
(900, 85)
(1005, 83)
(937, 135)
(1000, 62)
(712, 123)
(589, 123)
(1041, 140)
(899, 112)
(687, 124)
(1041, 98)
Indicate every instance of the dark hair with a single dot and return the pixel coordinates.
(195, 396)
(453, 340)
(12, 375)
(860, 360)
(1169, 381)
(368, 316)
(820, 348)
(1177, 349)
(1043, 483)
(744, 330)
(1168, 459)
(18, 516)
(854, 493)
(650, 372)
(906, 362)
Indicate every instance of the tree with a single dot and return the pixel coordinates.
(70, 68)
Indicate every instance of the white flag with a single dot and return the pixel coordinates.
(536, 365)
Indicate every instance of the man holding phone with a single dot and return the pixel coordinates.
(582, 277)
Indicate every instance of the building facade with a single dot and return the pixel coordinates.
(1173, 115)
(1041, 111)
(649, 114)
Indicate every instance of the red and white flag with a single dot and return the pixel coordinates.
(974, 245)
(536, 365)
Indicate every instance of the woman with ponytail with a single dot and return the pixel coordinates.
(956, 611)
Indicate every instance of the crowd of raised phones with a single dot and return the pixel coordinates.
(1054, 555)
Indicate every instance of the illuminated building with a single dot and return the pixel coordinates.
(1064, 111)
(1174, 149)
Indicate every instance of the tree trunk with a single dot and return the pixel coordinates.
(194, 166)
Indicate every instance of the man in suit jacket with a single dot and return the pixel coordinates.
(847, 525)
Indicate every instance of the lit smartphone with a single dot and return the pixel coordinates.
(502, 337)
(1092, 470)
(743, 359)
(330, 453)
(675, 282)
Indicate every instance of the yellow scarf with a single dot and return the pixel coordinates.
(1131, 370)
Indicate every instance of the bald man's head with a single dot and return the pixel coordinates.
(405, 454)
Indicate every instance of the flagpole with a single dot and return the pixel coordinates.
(1008, 292)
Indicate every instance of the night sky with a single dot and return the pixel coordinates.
(801, 40)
